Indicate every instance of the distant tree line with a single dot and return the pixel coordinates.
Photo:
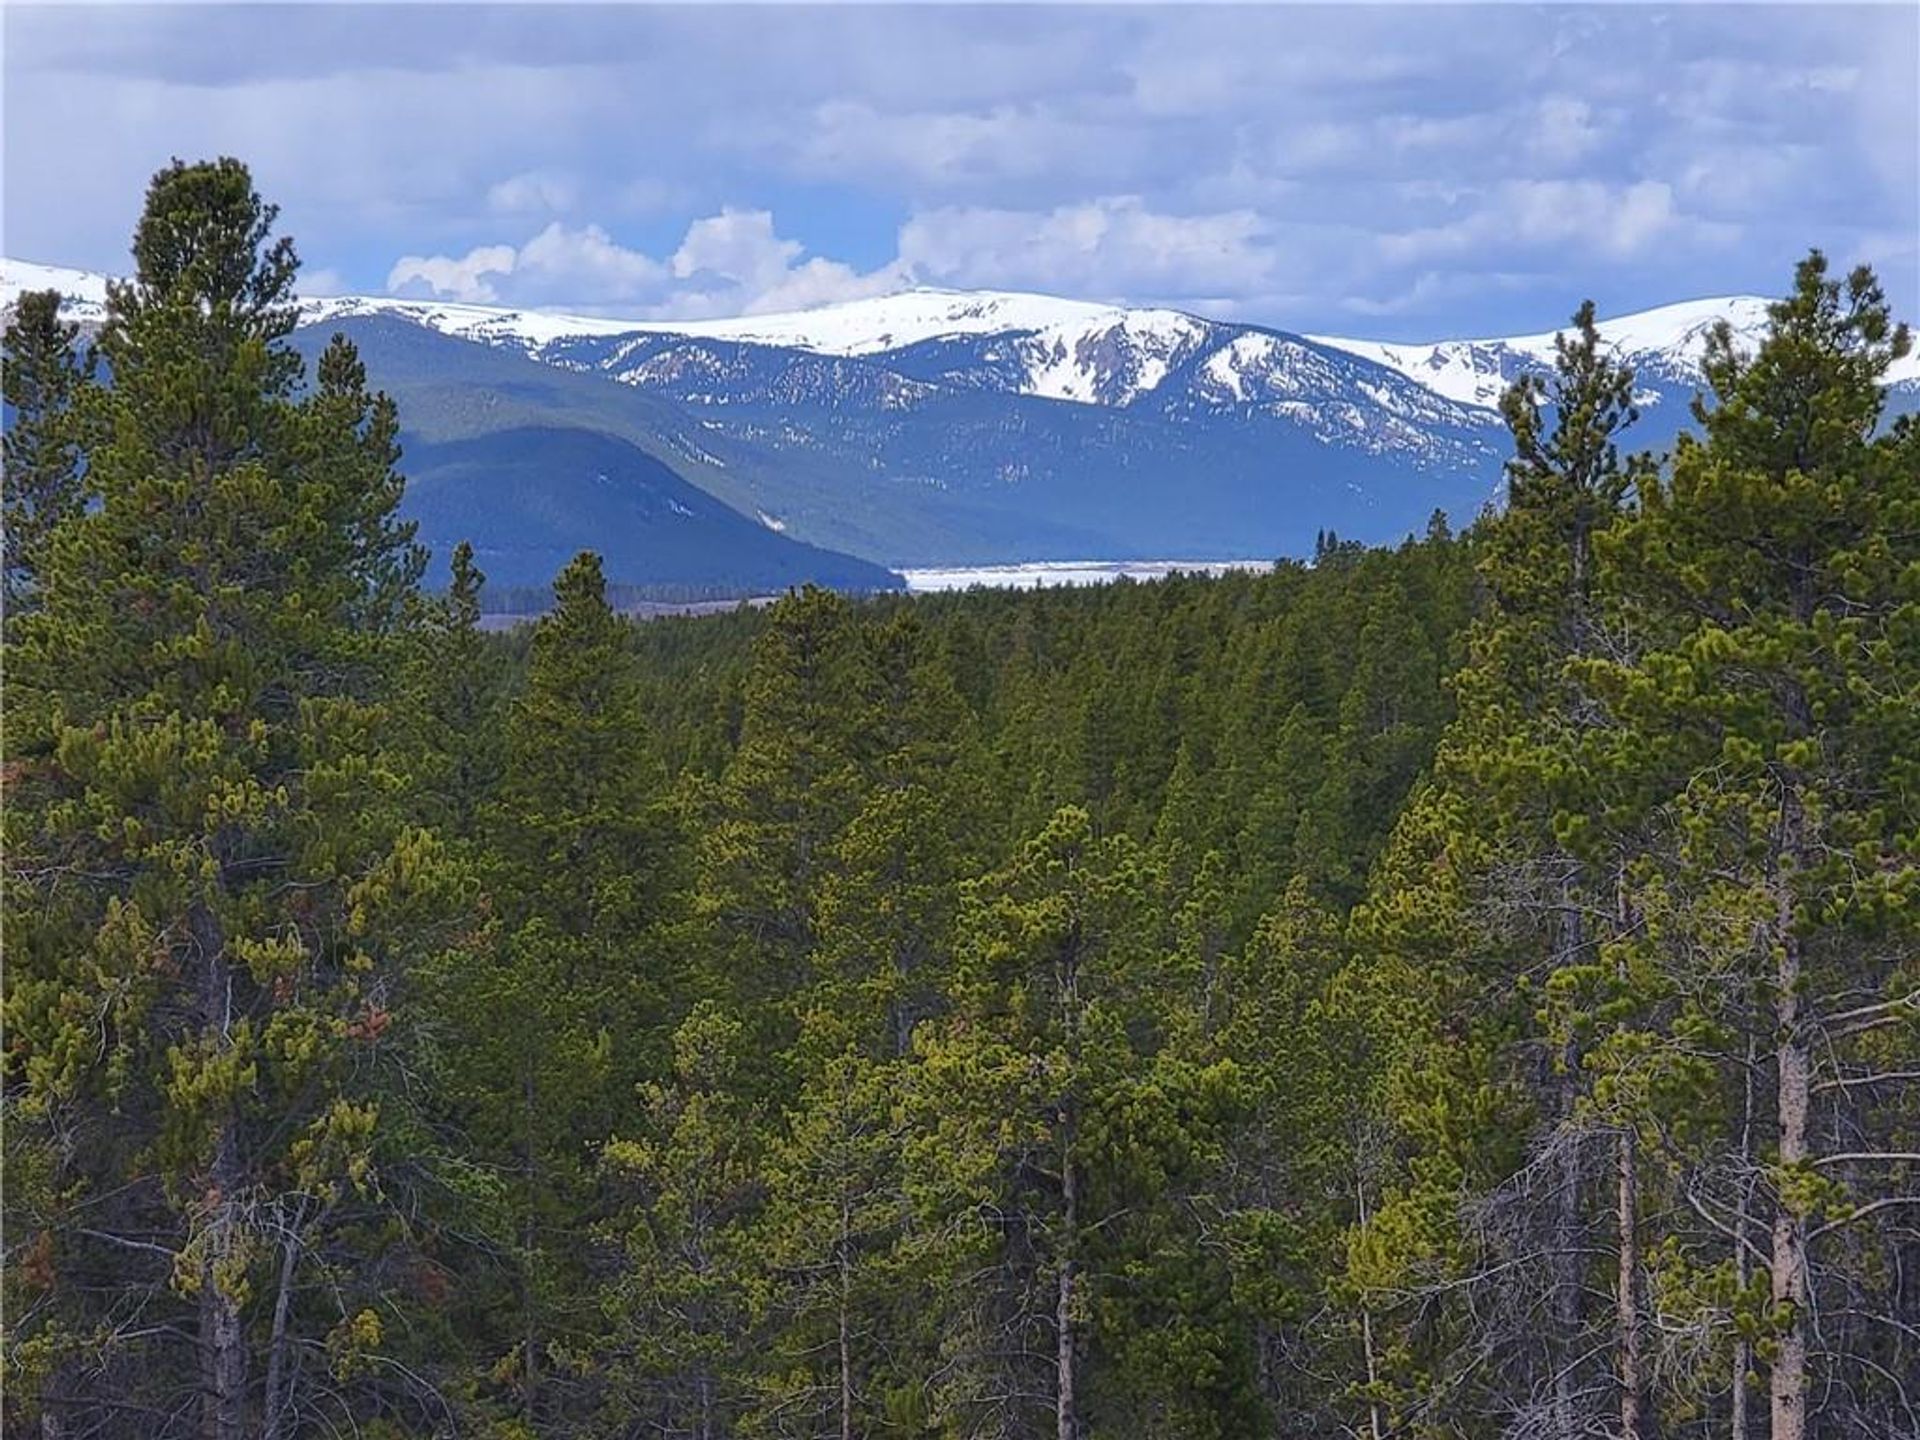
(1469, 989)
(625, 597)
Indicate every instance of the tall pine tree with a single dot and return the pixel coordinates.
(208, 869)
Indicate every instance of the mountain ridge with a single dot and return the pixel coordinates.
(940, 427)
(876, 325)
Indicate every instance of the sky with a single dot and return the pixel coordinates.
(1378, 170)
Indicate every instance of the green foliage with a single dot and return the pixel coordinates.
(211, 878)
(1464, 989)
(45, 376)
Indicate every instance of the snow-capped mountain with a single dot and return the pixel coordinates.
(1664, 346)
(1039, 345)
(939, 427)
(1015, 344)
(83, 294)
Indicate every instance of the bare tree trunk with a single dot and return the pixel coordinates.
(221, 1332)
(53, 1400)
(1788, 1383)
(223, 1356)
(1742, 1238)
(1789, 1377)
(274, 1420)
(529, 1339)
(1066, 1398)
(1374, 1418)
(846, 1341)
(1066, 1301)
(1565, 1260)
(1632, 1365)
(1632, 1377)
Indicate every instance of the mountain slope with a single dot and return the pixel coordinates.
(534, 464)
(1664, 346)
(531, 497)
(938, 427)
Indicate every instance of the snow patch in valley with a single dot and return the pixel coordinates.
(1038, 574)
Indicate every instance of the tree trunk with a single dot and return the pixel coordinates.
(1566, 1259)
(1788, 1383)
(223, 1356)
(529, 1336)
(1566, 1289)
(1066, 1322)
(53, 1401)
(1627, 1217)
(1788, 1390)
(846, 1340)
(1066, 1396)
(273, 1425)
(1374, 1426)
(1742, 1238)
(222, 1338)
(1632, 1377)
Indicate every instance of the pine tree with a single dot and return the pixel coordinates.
(788, 793)
(208, 871)
(1050, 1106)
(570, 1008)
(456, 701)
(844, 1354)
(1772, 569)
(45, 376)
(1525, 907)
(688, 1171)
(844, 1324)
(1300, 1076)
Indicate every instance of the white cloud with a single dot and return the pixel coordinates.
(728, 264)
(1297, 159)
(1579, 217)
(469, 277)
(1563, 130)
(563, 261)
(556, 266)
(322, 281)
(1107, 247)
(533, 192)
(738, 264)
(942, 149)
(736, 245)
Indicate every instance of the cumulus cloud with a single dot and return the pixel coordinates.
(738, 246)
(1299, 162)
(731, 263)
(468, 277)
(557, 265)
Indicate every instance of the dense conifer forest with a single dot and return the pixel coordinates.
(1469, 989)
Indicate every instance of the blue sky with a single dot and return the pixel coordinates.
(1401, 172)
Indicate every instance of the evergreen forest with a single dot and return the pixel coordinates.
(1469, 989)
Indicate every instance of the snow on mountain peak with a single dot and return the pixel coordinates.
(891, 322)
(1076, 350)
(1664, 343)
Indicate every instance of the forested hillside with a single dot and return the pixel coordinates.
(1464, 990)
